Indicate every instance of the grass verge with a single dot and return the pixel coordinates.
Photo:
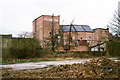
(15, 61)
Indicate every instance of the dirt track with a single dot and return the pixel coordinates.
(33, 65)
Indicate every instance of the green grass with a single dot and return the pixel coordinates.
(12, 61)
(5, 62)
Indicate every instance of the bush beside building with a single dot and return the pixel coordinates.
(22, 48)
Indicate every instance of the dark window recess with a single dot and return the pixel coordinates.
(71, 39)
(81, 38)
(50, 33)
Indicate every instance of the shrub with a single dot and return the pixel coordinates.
(25, 48)
(113, 48)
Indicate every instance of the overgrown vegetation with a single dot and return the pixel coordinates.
(27, 48)
(113, 48)
(11, 61)
(54, 57)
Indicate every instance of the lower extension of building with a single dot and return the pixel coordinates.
(48, 31)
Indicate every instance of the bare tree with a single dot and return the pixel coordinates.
(113, 47)
(26, 34)
(115, 24)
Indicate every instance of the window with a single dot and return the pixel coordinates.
(50, 33)
(81, 38)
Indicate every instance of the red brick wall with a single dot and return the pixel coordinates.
(72, 48)
(42, 26)
(101, 35)
(38, 28)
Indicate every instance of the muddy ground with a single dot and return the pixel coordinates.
(101, 67)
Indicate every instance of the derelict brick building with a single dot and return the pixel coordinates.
(42, 28)
(68, 37)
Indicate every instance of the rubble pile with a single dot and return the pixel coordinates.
(96, 68)
(101, 67)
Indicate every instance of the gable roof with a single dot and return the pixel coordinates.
(75, 28)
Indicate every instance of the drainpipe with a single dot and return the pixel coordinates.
(53, 33)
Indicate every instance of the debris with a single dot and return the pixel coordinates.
(101, 67)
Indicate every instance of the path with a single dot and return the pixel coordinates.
(33, 65)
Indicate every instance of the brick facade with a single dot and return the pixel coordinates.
(76, 41)
(42, 27)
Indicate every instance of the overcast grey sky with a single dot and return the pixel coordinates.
(16, 16)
